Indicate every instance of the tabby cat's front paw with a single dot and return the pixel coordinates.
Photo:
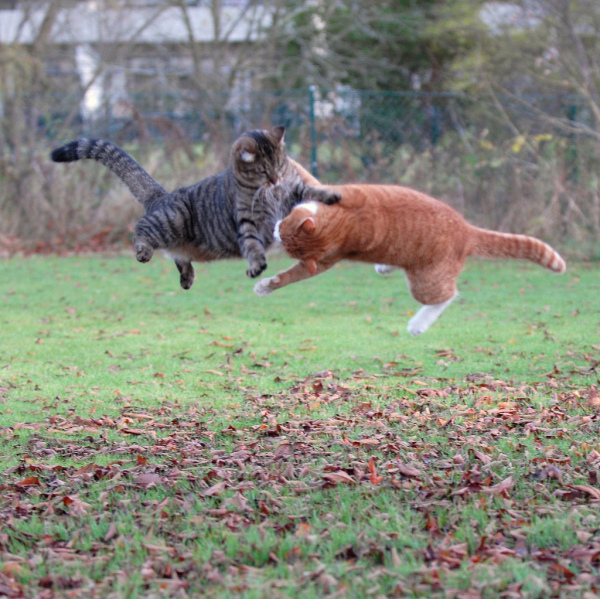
(323, 195)
(256, 268)
(143, 253)
(331, 197)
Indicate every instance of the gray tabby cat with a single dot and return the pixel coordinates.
(227, 215)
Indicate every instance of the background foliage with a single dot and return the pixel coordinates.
(492, 107)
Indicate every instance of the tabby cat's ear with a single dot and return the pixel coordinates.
(277, 134)
(308, 225)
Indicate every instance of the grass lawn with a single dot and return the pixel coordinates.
(166, 443)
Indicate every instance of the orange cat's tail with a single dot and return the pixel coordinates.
(492, 244)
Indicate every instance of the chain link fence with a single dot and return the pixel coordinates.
(526, 164)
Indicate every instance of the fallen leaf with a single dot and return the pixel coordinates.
(373, 473)
(482, 457)
(147, 480)
(327, 582)
(502, 488)
(215, 489)
(409, 471)
(588, 489)
(593, 399)
(339, 477)
(30, 481)
(285, 450)
(111, 533)
(303, 530)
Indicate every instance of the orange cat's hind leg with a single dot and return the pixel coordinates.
(436, 289)
(426, 316)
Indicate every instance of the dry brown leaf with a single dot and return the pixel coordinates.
(133, 431)
(482, 457)
(409, 471)
(30, 481)
(215, 489)
(502, 488)
(85, 470)
(13, 569)
(338, 477)
(587, 489)
(238, 501)
(593, 399)
(373, 477)
(327, 582)
(76, 506)
(285, 450)
(111, 533)
(303, 530)
(147, 480)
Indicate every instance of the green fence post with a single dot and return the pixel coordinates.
(313, 130)
(571, 153)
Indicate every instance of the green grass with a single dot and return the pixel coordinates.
(145, 429)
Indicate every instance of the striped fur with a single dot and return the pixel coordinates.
(396, 227)
(227, 215)
(493, 244)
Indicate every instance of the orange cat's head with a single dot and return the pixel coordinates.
(298, 233)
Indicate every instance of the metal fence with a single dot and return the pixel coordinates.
(418, 120)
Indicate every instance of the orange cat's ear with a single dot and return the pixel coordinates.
(308, 225)
(311, 266)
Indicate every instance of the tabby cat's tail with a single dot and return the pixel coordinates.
(492, 244)
(143, 187)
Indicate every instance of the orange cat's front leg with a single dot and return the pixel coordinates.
(297, 272)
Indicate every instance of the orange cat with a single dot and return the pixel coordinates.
(396, 227)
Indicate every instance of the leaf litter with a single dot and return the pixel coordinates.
(340, 488)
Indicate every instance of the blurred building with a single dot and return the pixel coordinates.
(113, 51)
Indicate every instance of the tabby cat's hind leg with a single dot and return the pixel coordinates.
(145, 241)
(186, 271)
(143, 249)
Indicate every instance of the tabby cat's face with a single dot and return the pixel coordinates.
(257, 156)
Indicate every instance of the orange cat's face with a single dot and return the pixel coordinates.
(297, 233)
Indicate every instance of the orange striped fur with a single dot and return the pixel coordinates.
(397, 227)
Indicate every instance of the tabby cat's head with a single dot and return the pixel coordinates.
(257, 156)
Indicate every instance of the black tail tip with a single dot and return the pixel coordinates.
(66, 153)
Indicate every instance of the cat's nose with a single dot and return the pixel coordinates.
(274, 178)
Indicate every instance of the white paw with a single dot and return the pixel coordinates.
(416, 326)
(263, 288)
(426, 316)
(384, 269)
